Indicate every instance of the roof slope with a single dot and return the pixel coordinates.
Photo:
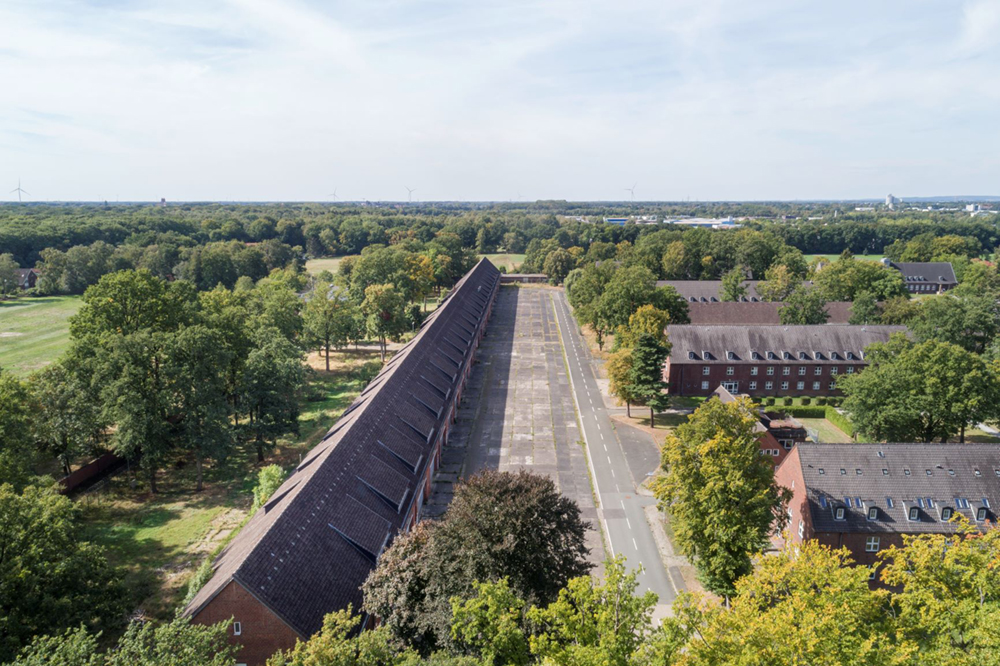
(825, 343)
(755, 313)
(871, 473)
(940, 272)
(309, 549)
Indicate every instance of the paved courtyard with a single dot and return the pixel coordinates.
(518, 411)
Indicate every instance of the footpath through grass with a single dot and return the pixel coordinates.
(34, 331)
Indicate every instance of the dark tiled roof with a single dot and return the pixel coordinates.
(307, 552)
(750, 313)
(825, 343)
(967, 472)
(936, 272)
(703, 291)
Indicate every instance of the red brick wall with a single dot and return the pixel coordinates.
(685, 378)
(789, 475)
(768, 444)
(263, 632)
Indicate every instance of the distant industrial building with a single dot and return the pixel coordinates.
(767, 360)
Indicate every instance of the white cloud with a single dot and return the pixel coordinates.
(261, 99)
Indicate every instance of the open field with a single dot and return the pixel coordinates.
(34, 331)
(834, 257)
(511, 261)
(331, 264)
(161, 540)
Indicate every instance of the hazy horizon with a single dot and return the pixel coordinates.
(712, 100)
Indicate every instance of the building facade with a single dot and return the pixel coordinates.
(765, 361)
(308, 550)
(866, 497)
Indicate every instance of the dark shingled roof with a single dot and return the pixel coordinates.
(961, 477)
(935, 272)
(309, 549)
(750, 313)
(704, 291)
(825, 343)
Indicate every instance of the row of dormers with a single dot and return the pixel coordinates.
(915, 510)
(783, 356)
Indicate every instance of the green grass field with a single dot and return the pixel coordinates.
(34, 331)
(331, 264)
(826, 431)
(834, 257)
(511, 261)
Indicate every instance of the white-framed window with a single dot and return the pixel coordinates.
(946, 513)
(787, 443)
(833, 370)
(753, 371)
(730, 370)
(802, 371)
(237, 628)
(753, 386)
(850, 369)
(815, 386)
(704, 386)
(981, 514)
(833, 386)
(784, 386)
(802, 530)
(818, 371)
(873, 573)
(873, 513)
(786, 371)
(871, 544)
(768, 386)
(776, 453)
(732, 387)
(705, 370)
(770, 369)
(800, 386)
(840, 513)
(914, 513)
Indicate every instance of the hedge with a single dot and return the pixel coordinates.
(807, 412)
(841, 421)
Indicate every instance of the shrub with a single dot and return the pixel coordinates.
(839, 420)
(807, 412)
(786, 401)
(806, 401)
(268, 480)
(769, 400)
(821, 400)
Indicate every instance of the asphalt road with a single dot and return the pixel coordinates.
(621, 508)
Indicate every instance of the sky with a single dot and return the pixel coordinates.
(263, 100)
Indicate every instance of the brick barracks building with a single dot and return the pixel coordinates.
(307, 551)
(767, 360)
(865, 497)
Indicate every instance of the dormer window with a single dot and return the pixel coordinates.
(786, 355)
(835, 356)
(946, 513)
(913, 514)
(692, 356)
(714, 299)
(873, 513)
(850, 356)
(803, 356)
(706, 356)
(771, 357)
(839, 513)
(755, 356)
(818, 355)
(730, 356)
(981, 514)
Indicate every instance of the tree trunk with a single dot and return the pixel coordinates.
(652, 418)
(152, 481)
(197, 462)
(328, 356)
(628, 408)
(961, 435)
(260, 450)
(381, 344)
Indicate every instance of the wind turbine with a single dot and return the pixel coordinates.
(409, 193)
(19, 191)
(631, 190)
(334, 195)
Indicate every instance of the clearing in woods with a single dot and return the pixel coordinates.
(34, 331)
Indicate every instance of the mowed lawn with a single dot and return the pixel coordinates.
(825, 431)
(331, 264)
(511, 261)
(34, 331)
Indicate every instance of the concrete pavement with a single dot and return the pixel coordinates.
(621, 508)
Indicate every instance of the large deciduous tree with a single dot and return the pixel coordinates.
(329, 319)
(385, 315)
(920, 392)
(845, 278)
(733, 288)
(778, 283)
(50, 579)
(18, 413)
(720, 491)
(272, 380)
(499, 525)
(619, 369)
(804, 306)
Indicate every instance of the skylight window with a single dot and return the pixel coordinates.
(822, 501)
(888, 502)
(822, 471)
(847, 501)
(906, 471)
(858, 471)
(843, 471)
(885, 472)
(929, 473)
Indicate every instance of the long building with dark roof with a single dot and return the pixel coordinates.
(767, 360)
(743, 313)
(308, 550)
(925, 277)
(865, 497)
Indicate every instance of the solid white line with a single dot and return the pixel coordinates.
(635, 544)
(629, 523)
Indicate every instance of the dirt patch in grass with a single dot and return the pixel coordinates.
(665, 423)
